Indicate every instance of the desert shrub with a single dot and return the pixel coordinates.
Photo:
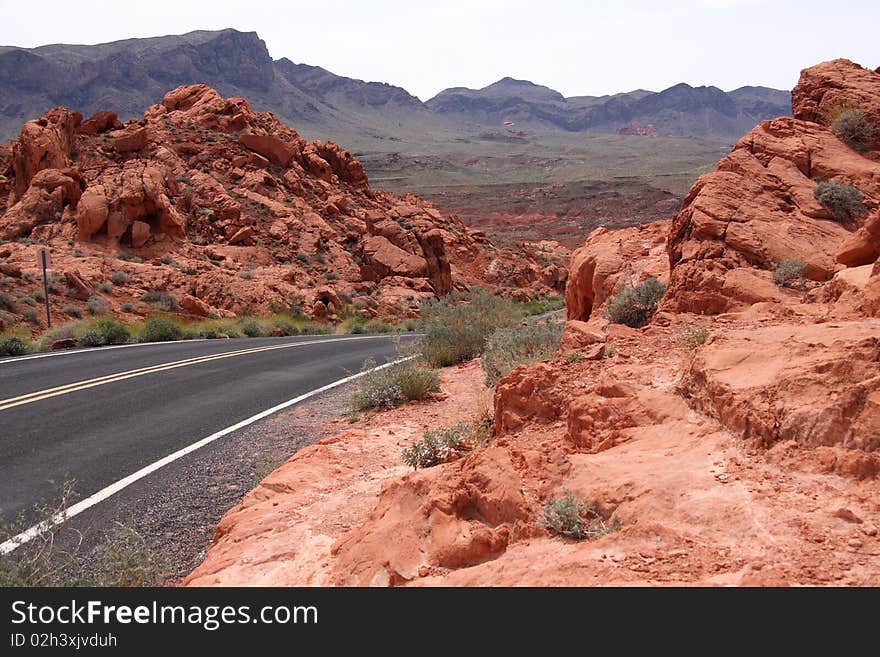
(160, 329)
(507, 348)
(127, 308)
(91, 338)
(27, 300)
(120, 278)
(313, 328)
(356, 329)
(389, 386)
(457, 326)
(541, 306)
(415, 382)
(692, 335)
(31, 315)
(789, 273)
(634, 305)
(853, 127)
(97, 305)
(285, 325)
(376, 388)
(8, 303)
(13, 345)
(574, 518)
(72, 311)
(574, 357)
(436, 446)
(844, 202)
(163, 300)
(112, 331)
(378, 326)
(251, 327)
(104, 287)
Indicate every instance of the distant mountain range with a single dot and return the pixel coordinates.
(130, 75)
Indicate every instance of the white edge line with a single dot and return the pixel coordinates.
(8, 546)
(71, 352)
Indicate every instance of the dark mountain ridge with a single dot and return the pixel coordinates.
(129, 74)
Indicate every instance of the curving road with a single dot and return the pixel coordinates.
(99, 415)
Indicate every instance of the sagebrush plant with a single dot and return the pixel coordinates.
(127, 559)
(633, 305)
(844, 202)
(456, 327)
(692, 335)
(789, 273)
(574, 518)
(852, 126)
(436, 446)
(97, 305)
(507, 348)
(160, 329)
(392, 385)
(13, 345)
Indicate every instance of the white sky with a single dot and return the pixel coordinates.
(576, 47)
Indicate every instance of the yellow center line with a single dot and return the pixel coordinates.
(48, 393)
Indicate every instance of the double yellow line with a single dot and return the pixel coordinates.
(48, 393)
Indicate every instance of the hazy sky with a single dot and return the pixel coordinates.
(577, 47)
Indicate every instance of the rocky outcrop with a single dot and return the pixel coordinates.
(758, 208)
(609, 258)
(257, 215)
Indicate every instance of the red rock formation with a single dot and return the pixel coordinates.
(201, 180)
(758, 209)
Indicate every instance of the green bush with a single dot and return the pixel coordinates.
(789, 273)
(507, 348)
(457, 326)
(112, 331)
(436, 446)
(13, 345)
(251, 327)
(574, 518)
(634, 305)
(541, 306)
(853, 127)
(72, 311)
(844, 202)
(160, 329)
(415, 382)
(389, 386)
(31, 315)
(91, 338)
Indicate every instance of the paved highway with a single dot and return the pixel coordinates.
(97, 416)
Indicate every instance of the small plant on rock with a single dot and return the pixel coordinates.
(574, 518)
(789, 273)
(97, 305)
(853, 127)
(436, 446)
(633, 305)
(692, 335)
(844, 202)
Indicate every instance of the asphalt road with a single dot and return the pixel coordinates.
(99, 415)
